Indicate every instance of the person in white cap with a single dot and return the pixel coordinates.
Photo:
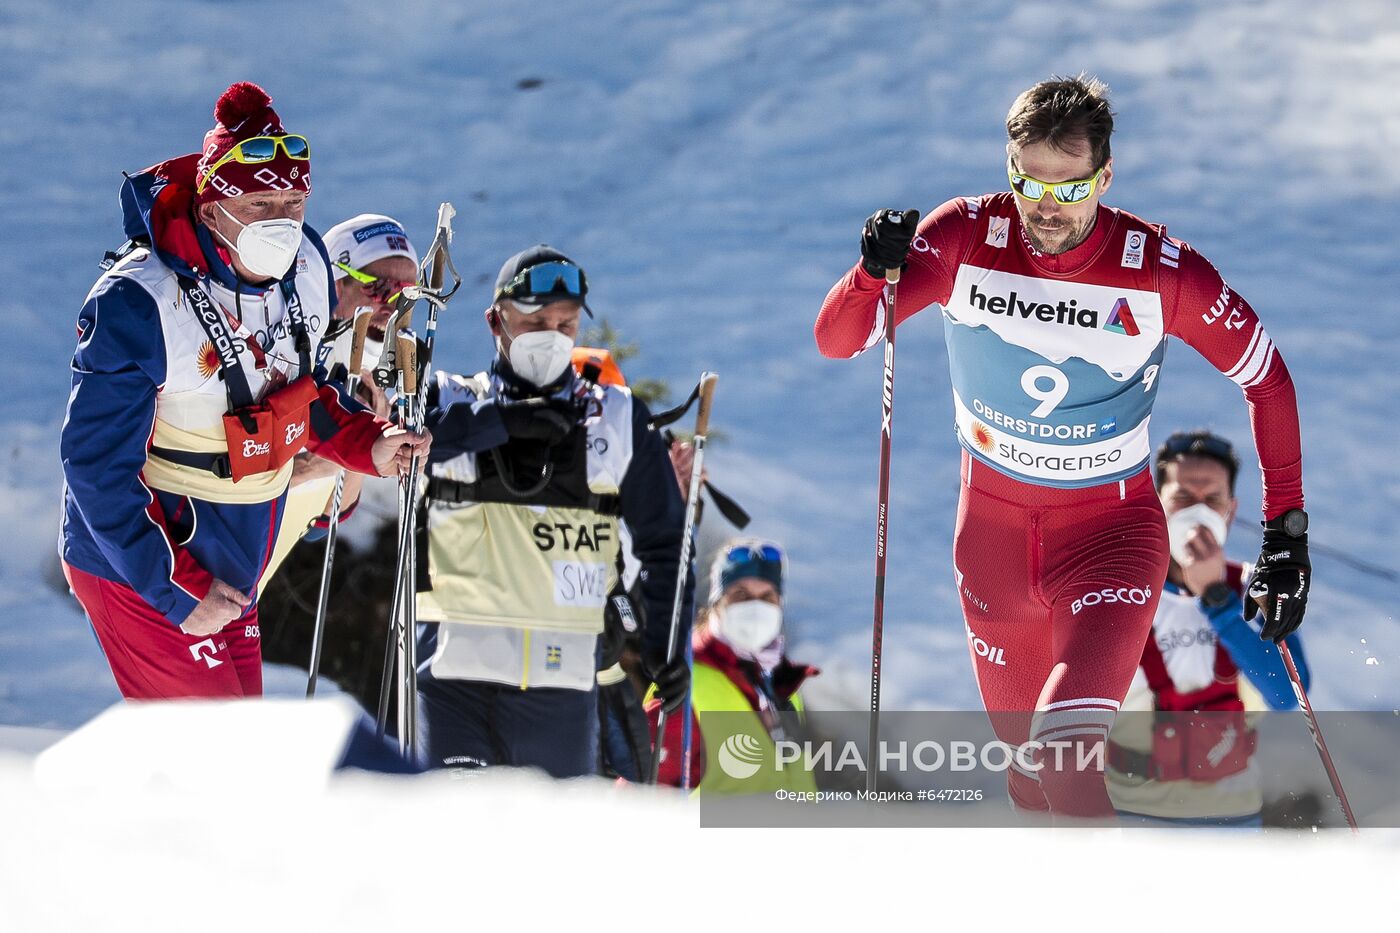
(372, 259)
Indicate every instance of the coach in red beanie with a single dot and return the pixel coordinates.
(251, 185)
(193, 391)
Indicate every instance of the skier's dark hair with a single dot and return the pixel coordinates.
(1199, 443)
(1062, 112)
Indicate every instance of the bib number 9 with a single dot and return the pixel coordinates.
(1031, 384)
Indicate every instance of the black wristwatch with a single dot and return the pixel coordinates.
(1216, 595)
(1293, 523)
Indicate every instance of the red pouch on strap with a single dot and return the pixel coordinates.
(266, 436)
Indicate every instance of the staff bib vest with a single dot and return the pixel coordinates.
(520, 564)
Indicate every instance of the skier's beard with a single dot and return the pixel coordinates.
(1061, 243)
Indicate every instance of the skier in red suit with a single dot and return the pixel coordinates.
(1056, 310)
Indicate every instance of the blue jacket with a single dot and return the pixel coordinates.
(166, 546)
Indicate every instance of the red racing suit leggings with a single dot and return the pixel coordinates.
(1058, 589)
(152, 659)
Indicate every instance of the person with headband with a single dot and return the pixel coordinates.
(373, 260)
(740, 668)
(535, 470)
(1182, 750)
(195, 385)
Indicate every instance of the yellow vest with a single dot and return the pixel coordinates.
(713, 692)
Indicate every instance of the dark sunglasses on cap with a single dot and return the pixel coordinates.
(546, 281)
(743, 553)
(1198, 442)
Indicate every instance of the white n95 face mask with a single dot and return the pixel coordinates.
(1181, 524)
(540, 356)
(266, 247)
(750, 626)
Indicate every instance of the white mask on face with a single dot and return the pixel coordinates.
(540, 356)
(266, 248)
(1181, 524)
(749, 626)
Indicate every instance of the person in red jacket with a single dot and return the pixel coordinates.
(1056, 309)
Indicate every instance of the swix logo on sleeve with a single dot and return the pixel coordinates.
(1138, 596)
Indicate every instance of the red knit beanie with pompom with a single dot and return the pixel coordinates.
(242, 112)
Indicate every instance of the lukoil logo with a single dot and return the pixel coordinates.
(740, 756)
(1138, 596)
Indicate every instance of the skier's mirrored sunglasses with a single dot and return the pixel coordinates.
(258, 149)
(1065, 192)
(386, 290)
(553, 280)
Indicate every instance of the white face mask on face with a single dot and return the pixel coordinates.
(266, 248)
(749, 626)
(1181, 524)
(539, 356)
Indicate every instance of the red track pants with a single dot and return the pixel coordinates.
(1058, 589)
(154, 660)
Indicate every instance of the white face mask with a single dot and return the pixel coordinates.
(540, 356)
(1181, 524)
(749, 626)
(266, 248)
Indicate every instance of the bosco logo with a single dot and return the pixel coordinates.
(740, 755)
(1138, 596)
(252, 448)
(295, 431)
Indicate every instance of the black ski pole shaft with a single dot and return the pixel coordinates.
(692, 504)
(1316, 731)
(882, 529)
(357, 355)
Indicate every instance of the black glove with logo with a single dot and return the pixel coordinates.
(884, 244)
(672, 679)
(1279, 583)
(537, 419)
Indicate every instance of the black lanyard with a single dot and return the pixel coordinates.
(211, 318)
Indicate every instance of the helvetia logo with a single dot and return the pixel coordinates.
(740, 756)
(1121, 321)
(206, 360)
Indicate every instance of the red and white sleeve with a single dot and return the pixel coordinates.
(852, 319)
(1204, 311)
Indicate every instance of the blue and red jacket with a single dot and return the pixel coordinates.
(163, 530)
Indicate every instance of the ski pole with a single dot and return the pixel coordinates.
(882, 517)
(692, 502)
(1316, 731)
(414, 374)
(357, 354)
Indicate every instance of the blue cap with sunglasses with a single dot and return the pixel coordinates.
(534, 277)
(744, 559)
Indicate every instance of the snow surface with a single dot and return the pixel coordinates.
(711, 163)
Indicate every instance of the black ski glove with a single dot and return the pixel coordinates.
(672, 679)
(884, 244)
(1279, 584)
(537, 419)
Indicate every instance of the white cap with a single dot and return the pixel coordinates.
(361, 240)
